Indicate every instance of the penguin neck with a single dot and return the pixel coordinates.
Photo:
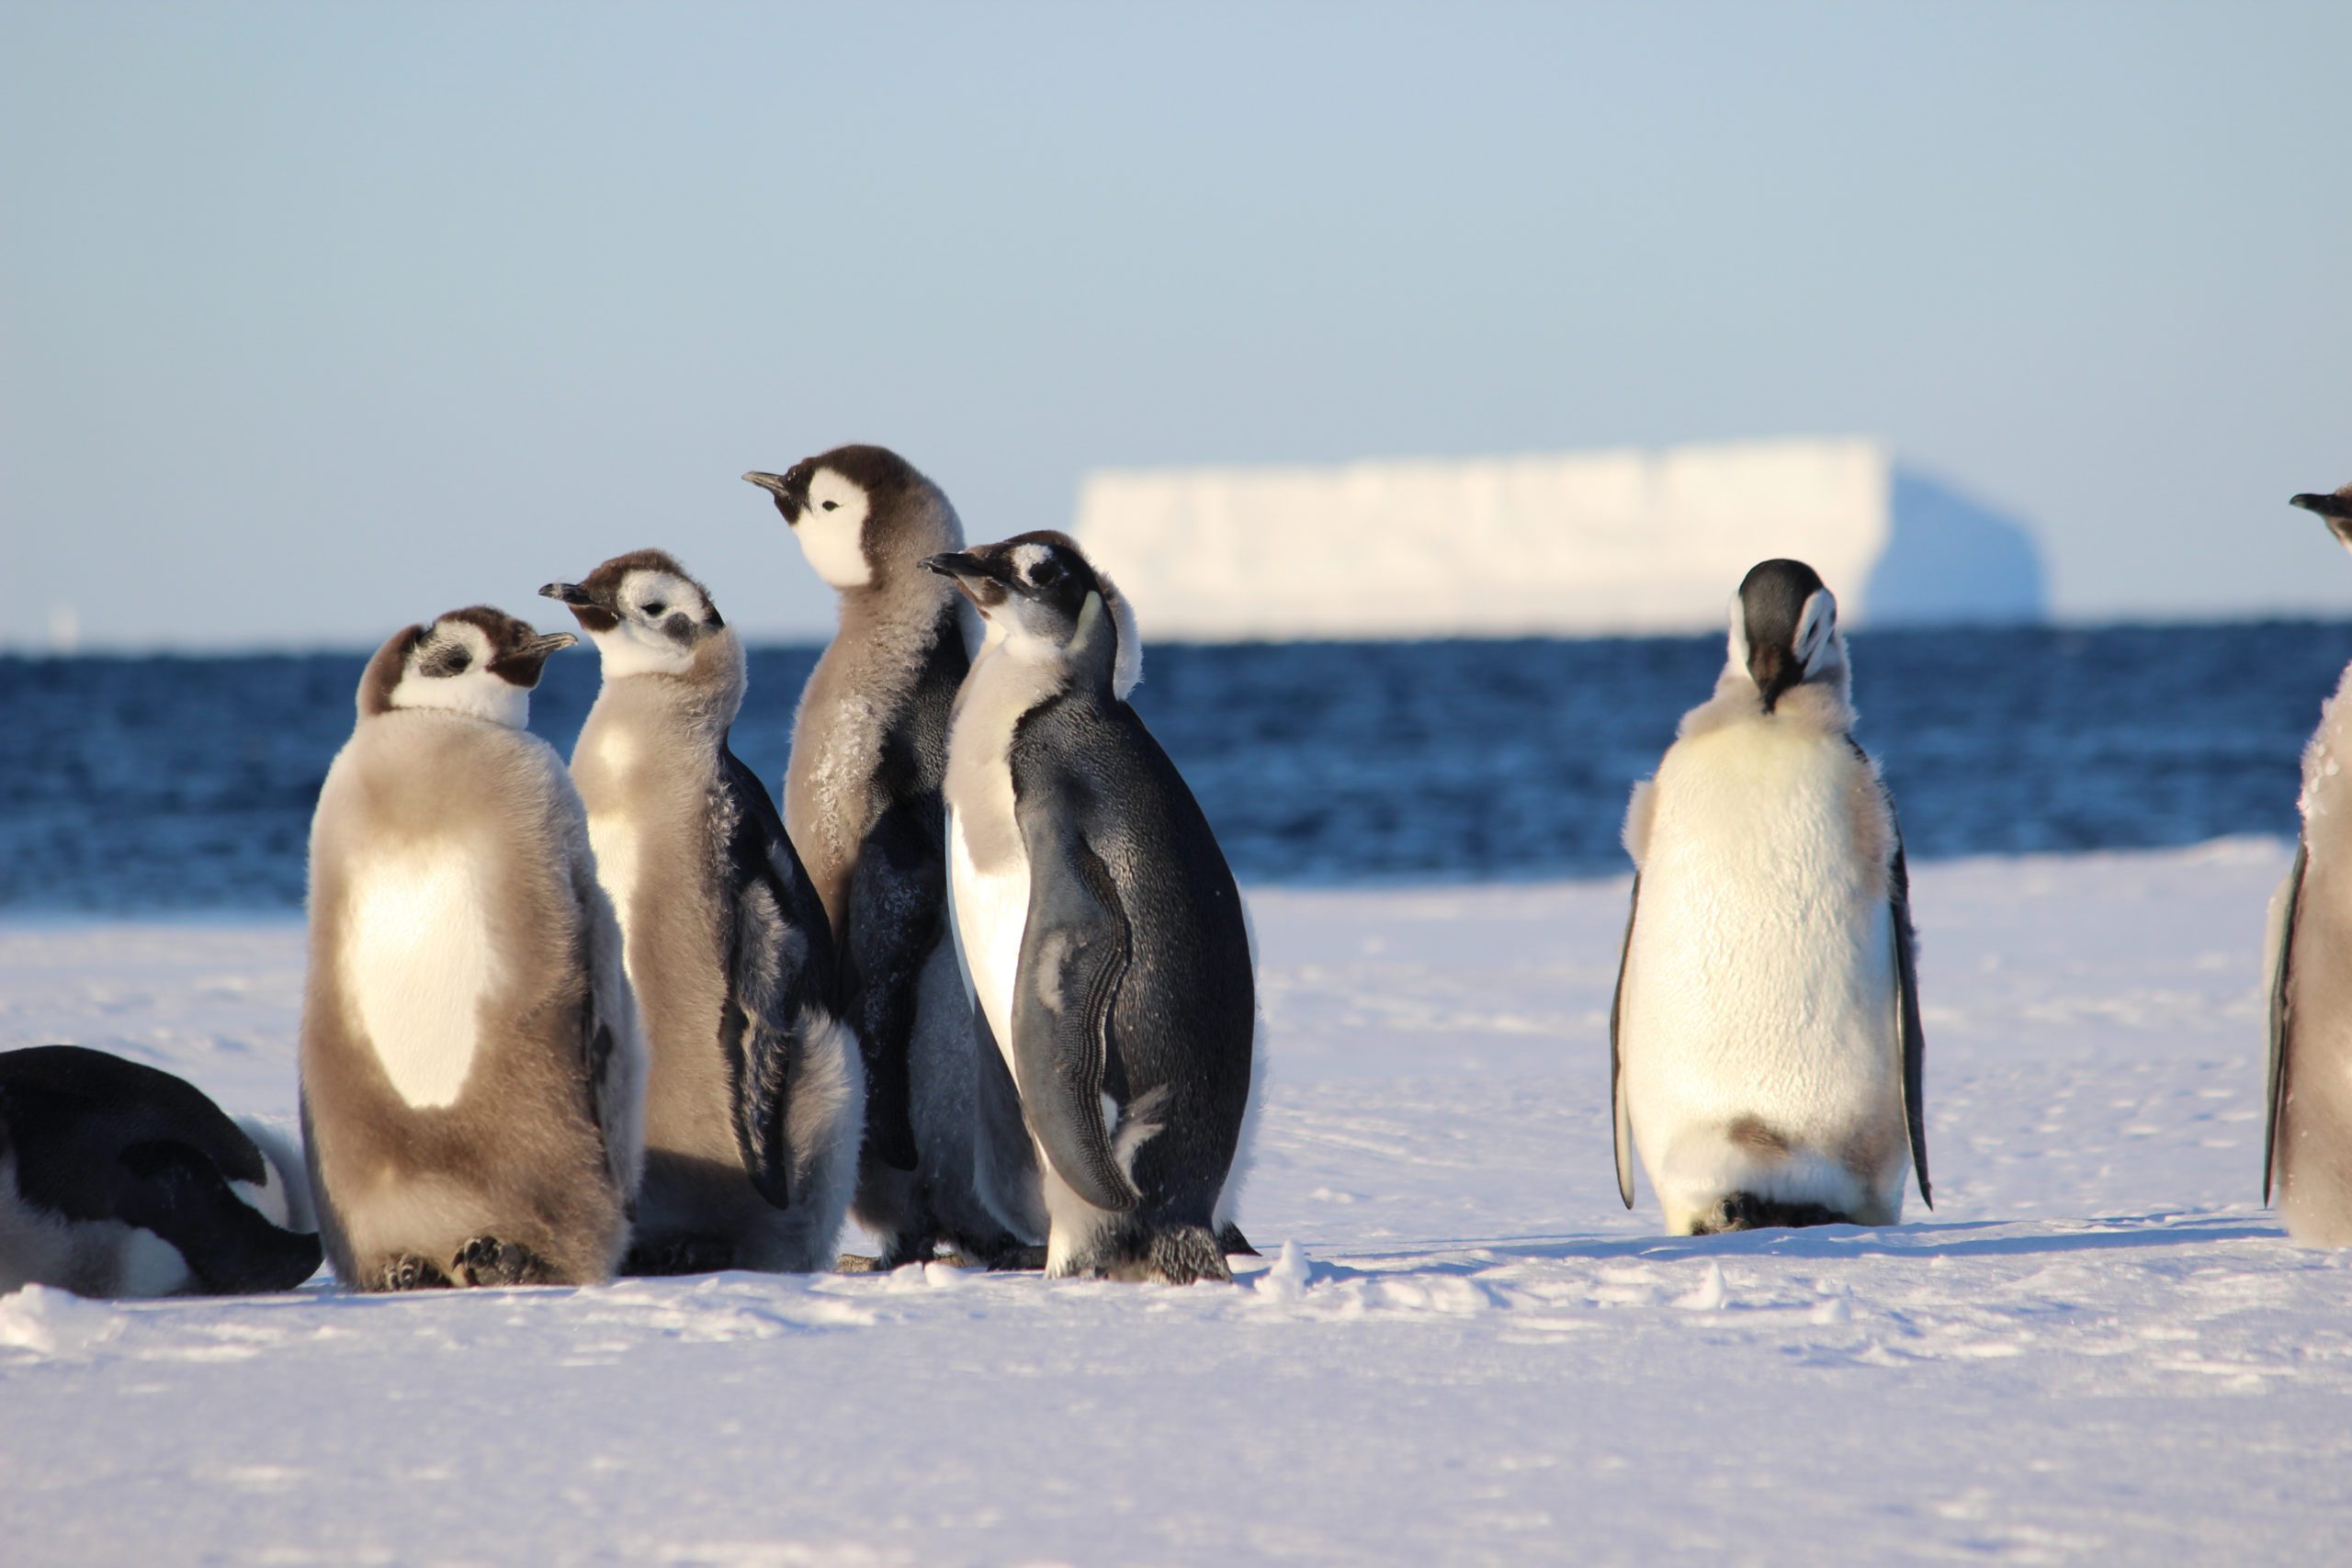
(703, 698)
(484, 697)
(1823, 706)
(1013, 675)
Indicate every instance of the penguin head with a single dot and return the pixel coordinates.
(1784, 630)
(864, 516)
(478, 661)
(1041, 597)
(644, 614)
(2335, 509)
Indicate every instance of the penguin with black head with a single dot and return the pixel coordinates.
(1098, 921)
(1765, 1048)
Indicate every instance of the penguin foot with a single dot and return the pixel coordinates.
(409, 1272)
(1234, 1244)
(680, 1255)
(1017, 1259)
(1747, 1212)
(857, 1263)
(486, 1260)
(1184, 1255)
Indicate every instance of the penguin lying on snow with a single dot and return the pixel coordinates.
(1765, 1048)
(944, 1159)
(120, 1180)
(1098, 922)
(2307, 1144)
(754, 1094)
(471, 1073)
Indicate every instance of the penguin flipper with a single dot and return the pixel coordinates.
(1621, 1122)
(2282, 946)
(1074, 953)
(176, 1191)
(896, 899)
(778, 980)
(1907, 1002)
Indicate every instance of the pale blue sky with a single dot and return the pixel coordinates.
(315, 319)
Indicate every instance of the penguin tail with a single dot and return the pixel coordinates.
(1750, 1212)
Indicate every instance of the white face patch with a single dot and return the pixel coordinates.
(832, 530)
(638, 646)
(1816, 627)
(416, 964)
(1736, 645)
(473, 691)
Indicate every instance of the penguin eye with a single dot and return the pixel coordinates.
(655, 608)
(1046, 572)
(830, 505)
(450, 659)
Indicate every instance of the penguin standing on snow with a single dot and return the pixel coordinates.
(2307, 1146)
(945, 1158)
(1097, 919)
(472, 1076)
(1765, 1049)
(754, 1094)
(120, 1180)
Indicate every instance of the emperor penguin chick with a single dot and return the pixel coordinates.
(945, 1158)
(1765, 1048)
(2307, 1148)
(1101, 928)
(754, 1093)
(120, 1180)
(472, 1076)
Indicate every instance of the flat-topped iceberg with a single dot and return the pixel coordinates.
(1590, 543)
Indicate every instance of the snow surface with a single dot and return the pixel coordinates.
(2097, 1349)
(1582, 544)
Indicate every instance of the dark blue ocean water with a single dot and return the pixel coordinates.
(185, 784)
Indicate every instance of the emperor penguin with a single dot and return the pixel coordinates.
(120, 1180)
(472, 1079)
(2307, 1144)
(754, 1092)
(945, 1158)
(1765, 1047)
(1098, 924)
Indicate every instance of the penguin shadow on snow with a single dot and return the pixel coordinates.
(1959, 1238)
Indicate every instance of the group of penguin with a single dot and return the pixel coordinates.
(994, 994)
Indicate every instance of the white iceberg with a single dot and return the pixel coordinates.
(1582, 544)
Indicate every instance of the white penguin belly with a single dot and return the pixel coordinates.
(992, 912)
(416, 963)
(1760, 1024)
(613, 839)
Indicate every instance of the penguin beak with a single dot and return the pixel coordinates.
(2329, 506)
(983, 580)
(780, 486)
(522, 667)
(1774, 669)
(592, 614)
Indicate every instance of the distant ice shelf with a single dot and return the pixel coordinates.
(1592, 543)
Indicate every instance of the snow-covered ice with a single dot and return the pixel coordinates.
(1459, 1348)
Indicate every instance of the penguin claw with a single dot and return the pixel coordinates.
(411, 1273)
(486, 1260)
